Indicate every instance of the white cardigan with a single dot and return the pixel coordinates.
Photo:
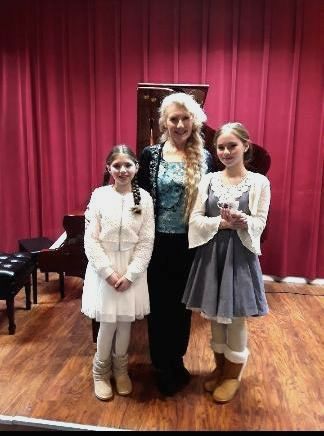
(112, 226)
(202, 228)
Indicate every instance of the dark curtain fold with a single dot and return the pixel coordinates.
(68, 77)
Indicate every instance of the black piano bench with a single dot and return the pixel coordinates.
(15, 271)
(34, 246)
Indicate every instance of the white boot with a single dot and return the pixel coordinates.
(101, 371)
(120, 374)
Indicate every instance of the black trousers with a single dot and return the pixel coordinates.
(169, 321)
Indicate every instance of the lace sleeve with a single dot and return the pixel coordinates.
(92, 245)
(144, 247)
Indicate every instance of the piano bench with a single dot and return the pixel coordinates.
(15, 271)
(34, 246)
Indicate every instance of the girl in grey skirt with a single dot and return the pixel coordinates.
(225, 282)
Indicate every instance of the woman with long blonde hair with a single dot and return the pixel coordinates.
(171, 171)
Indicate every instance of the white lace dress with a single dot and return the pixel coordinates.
(118, 240)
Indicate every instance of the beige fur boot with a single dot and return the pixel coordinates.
(101, 372)
(230, 383)
(213, 379)
(234, 364)
(120, 374)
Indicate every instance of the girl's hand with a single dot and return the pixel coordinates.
(113, 279)
(235, 219)
(122, 284)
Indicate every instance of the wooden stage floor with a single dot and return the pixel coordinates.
(45, 369)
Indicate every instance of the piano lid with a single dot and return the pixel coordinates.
(149, 98)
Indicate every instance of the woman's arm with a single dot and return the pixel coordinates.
(143, 174)
(209, 162)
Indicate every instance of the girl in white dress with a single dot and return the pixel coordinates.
(118, 242)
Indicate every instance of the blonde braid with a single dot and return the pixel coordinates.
(193, 170)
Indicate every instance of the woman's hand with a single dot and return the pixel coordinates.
(122, 284)
(235, 219)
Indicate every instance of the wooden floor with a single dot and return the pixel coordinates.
(45, 368)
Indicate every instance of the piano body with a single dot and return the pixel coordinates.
(66, 256)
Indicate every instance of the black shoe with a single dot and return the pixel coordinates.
(182, 375)
(167, 382)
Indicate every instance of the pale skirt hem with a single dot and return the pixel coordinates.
(113, 318)
(219, 319)
(223, 319)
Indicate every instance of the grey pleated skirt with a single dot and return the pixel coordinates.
(225, 279)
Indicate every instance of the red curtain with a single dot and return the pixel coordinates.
(68, 77)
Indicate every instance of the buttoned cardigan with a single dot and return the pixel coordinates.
(112, 226)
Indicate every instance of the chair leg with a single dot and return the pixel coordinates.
(11, 314)
(34, 275)
(28, 293)
(46, 277)
(62, 284)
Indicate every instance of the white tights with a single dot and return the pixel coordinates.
(113, 337)
(233, 335)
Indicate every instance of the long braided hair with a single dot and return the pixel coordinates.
(114, 153)
(193, 161)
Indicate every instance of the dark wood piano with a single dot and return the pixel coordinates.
(66, 256)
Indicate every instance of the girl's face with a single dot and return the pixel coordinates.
(123, 170)
(179, 124)
(230, 149)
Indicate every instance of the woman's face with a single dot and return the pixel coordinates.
(123, 170)
(179, 124)
(230, 149)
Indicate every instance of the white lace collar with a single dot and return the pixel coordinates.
(229, 193)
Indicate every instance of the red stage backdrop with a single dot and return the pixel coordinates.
(68, 76)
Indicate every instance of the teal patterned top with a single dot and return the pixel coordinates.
(170, 198)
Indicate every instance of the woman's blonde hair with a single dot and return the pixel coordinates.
(194, 147)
